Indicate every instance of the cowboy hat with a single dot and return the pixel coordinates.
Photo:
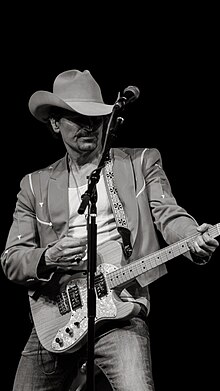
(72, 90)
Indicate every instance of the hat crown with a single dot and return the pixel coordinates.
(72, 90)
(77, 86)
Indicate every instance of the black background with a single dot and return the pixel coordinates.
(171, 55)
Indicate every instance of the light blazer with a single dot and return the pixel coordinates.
(42, 213)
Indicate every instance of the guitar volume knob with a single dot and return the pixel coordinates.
(59, 341)
(69, 331)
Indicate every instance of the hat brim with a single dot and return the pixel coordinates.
(40, 104)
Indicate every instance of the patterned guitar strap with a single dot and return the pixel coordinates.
(118, 210)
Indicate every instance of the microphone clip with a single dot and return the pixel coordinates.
(130, 94)
(120, 103)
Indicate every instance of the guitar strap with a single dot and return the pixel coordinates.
(118, 210)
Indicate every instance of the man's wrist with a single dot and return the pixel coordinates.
(45, 267)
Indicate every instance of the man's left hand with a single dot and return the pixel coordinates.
(204, 245)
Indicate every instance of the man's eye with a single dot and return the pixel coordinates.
(74, 119)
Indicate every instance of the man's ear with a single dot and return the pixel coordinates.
(55, 125)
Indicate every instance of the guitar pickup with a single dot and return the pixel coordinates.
(63, 303)
(74, 296)
(69, 299)
(100, 285)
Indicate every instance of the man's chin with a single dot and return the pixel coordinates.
(87, 146)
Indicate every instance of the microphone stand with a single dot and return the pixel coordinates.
(89, 198)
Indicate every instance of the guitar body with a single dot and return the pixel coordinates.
(60, 314)
(60, 311)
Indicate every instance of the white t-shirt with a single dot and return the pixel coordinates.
(106, 225)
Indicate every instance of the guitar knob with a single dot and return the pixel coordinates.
(59, 341)
(69, 331)
(77, 324)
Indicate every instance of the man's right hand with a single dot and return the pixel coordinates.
(65, 252)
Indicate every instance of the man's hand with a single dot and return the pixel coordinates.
(65, 252)
(204, 245)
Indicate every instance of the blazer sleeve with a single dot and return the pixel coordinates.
(22, 252)
(172, 220)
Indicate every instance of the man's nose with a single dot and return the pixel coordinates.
(89, 127)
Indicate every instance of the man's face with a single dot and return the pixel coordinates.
(81, 133)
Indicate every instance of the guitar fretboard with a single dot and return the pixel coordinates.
(134, 269)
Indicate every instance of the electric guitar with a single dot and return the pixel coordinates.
(60, 311)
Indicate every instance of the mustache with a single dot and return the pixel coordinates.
(85, 133)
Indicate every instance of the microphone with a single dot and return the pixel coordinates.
(130, 94)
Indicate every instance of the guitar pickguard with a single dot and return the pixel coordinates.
(76, 328)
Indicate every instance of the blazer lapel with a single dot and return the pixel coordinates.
(58, 203)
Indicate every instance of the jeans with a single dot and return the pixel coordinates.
(121, 352)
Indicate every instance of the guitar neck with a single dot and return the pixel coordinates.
(134, 269)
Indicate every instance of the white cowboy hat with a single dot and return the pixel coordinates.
(72, 90)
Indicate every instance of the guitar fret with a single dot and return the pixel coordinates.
(150, 264)
(135, 270)
(119, 278)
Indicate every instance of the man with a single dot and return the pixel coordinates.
(47, 245)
